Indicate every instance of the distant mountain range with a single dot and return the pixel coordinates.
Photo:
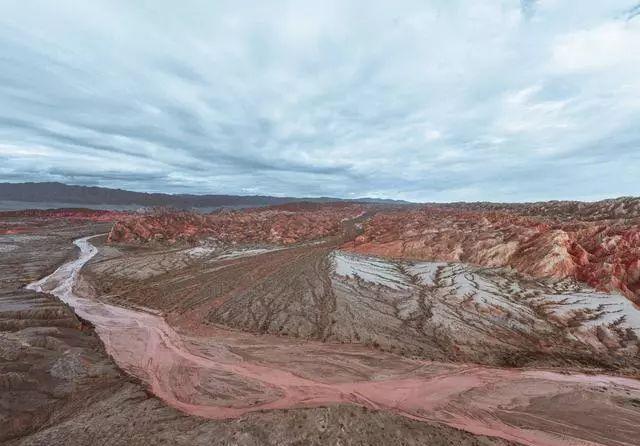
(84, 195)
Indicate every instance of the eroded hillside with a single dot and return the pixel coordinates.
(597, 244)
(285, 224)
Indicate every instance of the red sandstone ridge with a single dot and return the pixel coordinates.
(286, 224)
(603, 253)
(611, 209)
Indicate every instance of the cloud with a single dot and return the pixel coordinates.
(612, 45)
(455, 100)
(528, 8)
(633, 12)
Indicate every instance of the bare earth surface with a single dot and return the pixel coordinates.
(434, 311)
(596, 243)
(259, 343)
(228, 373)
(59, 387)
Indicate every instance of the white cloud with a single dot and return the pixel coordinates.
(18, 152)
(611, 45)
(435, 100)
(432, 135)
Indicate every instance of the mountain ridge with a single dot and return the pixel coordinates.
(60, 192)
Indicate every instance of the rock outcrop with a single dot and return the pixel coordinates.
(603, 253)
(287, 224)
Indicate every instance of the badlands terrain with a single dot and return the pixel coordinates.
(322, 323)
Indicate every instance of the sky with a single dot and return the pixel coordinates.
(427, 100)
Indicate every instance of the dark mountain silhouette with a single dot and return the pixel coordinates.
(64, 193)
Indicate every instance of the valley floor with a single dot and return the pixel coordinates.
(304, 345)
(58, 386)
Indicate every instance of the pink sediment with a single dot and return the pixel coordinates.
(210, 377)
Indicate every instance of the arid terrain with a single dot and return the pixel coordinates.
(329, 223)
(595, 243)
(345, 323)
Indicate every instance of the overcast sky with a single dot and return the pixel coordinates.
(440, 100)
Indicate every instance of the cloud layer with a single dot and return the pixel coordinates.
(437, 100)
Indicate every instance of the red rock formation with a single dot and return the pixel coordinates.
(605, 254)
(615, 208)
(588, 242)
(285, 225)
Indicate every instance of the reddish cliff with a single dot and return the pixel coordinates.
(279, 224)
(605, 253)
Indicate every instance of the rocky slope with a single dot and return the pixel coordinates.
(375, 319)
(438, 311)
(59, 387)
(284, 224)
(221, 373)
(614, 208)
(45, 351)
(584, 243)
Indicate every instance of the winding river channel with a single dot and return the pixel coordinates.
(214, 377)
